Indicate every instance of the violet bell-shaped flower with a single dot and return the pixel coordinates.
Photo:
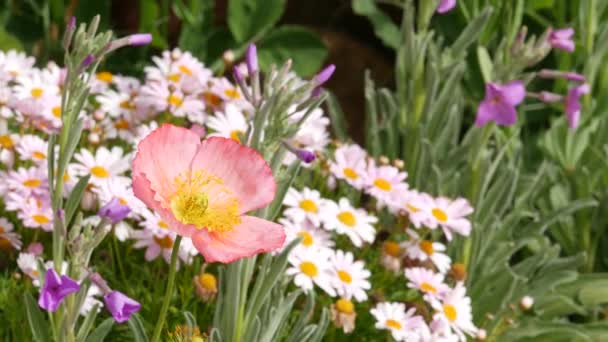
(562, 39)
(572, 104)
(446, 6)
(55, 289)
(120, 305)
(500, 102)
(115, 210)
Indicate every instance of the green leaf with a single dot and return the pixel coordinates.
(384, 27)
(338, 119)
(539, 4)
(8, 41)
(248, 19)
(485, 64)
(137, 329)
(38, 325)
(296, 43)
(75, 196)
(149, 22)
(100, 333)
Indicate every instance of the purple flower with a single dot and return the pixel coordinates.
(446, 6)
(114, 210)
(499, 103)
(251, 58)
(572, 104)
(324, 75)
(55, 289)
(306, 156)
(72, 23)
(121, 307)
(562, 39)
(140, 39)
(88, 60)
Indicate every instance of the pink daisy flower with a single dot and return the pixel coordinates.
(385, 183)
(427, 281)
(448, 214)
(350, 165)
(203, 189)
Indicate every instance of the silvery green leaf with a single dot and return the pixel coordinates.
(38, 325)
(384, 27)
(137, 328)
(278, 318)
(470, 34)
(338, 121)
(75, 197)
(87, 324)
(102, 330)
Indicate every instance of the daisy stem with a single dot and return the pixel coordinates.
(168, 292)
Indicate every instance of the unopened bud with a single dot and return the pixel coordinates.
(458, 272)
(526, 303)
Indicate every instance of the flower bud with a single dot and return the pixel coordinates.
(526, 303)
(343, 315)
(206, 286)
(458, 272)
(251, 58)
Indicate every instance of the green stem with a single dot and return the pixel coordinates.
(168, 292)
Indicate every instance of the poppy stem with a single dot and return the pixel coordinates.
(169, 290)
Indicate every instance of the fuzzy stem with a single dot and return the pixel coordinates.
(168, 292)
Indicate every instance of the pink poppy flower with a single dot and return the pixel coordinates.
(202, 190)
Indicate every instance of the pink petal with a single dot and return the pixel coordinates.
(243, 170)
(254, 235)
(514, 92)
(162, 156)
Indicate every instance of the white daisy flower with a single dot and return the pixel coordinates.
(312, 134)
(35, 86)
(312, 237)
(28, 182)
(430, 283)
(36, 214)
(101, 82)
(91, 300)
(160, 241)
(116, 104)
(345, 219)
(350, 165)
(404, 326)
(455, 309)
(222, 91)
(423, 250)
(385, 183)
(8, 237)
(32, 147)
(448, 214)
(303, 205)
(311, 266)
(116, 188)
(105, 164)
(28, 263)
(349, 277)
(6, 98)
(14, 64)
(228, 124)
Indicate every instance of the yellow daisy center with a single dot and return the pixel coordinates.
(202, 200)
(175, 100)
(40, 219)
(440, 215)
(164, 242)
(56, 112)
(391, 323)
(32, 182)
(382, 184)
(163, 225)
(234, 135)
(174, 77)
(212, 99)
(427, 247)
(38, 155)
(232, 93)
(350, 173)
(100, 172)
(307, 239)
(208, 281)
(122, 201)
(411, 208)
(309, 206)
(345, 277)
(450, 312)
(347, 218)
(345, 306)
(37, 92)
(426, 287)
(185, 70)
(121, 124)
(127, 104)
(6, 141)
(105, 76)
(392, 248)
(309, 269)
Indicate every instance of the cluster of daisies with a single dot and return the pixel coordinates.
(314, 261)
(119, 112)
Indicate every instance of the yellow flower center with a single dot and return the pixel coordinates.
(382, 184)
(212, 99)
(202, 200)
(66, 176)
(121, 124)
(122, 201)
(100, 172)
(309, 269)
(185, 70)
(164, 242)
(450, 312)
(37, 92)
(392, 248)
(426, 287)
(440, 215)
(163, 225)
(307, 239)
(345, 276)
(347, 218)
(105, 76)
(56, 112)
(232, 93)
(234, 135)
(6, 141)
(39, 155)
(427, 247)
(308, 206)
(391, 323)
(174, 77)
(127, 104)
(32, 183)
(350, 173)
(208, 281)
(345, 306)
(175, 100)
(411, 208)
(2, 230)
(40, 219)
